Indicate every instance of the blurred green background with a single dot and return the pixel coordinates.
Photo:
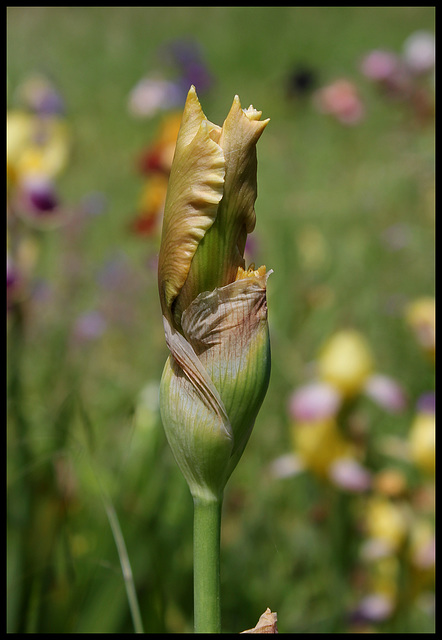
(345, 218)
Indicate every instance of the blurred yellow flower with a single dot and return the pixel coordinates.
(422, 544)
(422, 556)
(312, 248)
(421, 316)
(153, 195)
(320, 443)
(346, 361)
(422, 440)
(386, 522)
(35, 145)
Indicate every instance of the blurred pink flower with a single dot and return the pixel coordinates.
(314, 401)
(341, 99)
(379, 65)
(386, 392)
(349, 474)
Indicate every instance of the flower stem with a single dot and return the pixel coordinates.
(206, 563)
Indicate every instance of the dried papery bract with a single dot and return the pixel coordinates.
(215, 317)
(267, 623)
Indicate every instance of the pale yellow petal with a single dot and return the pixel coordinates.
(240, 133)
(192, 117)
(195, 190)
(221, 252)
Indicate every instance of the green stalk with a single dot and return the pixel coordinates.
(206, 563)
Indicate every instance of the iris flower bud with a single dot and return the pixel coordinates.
(214, 309)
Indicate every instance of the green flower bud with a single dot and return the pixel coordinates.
(214, 312)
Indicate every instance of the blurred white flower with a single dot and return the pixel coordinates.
(152, 95)
(420, 51)
(314, 401)
(286, 466)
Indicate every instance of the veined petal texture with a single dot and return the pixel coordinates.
(228, 331)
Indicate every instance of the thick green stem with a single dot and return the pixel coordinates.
(206, 562)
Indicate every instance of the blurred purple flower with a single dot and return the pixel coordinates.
(185, 66)
(386, 393)
(314, 401)
(94, 203)
(14, 282)
(89, 326)
(426, 403)
(42, 292)
(187, 57)
(115, 274)
(38, 193)
(39, 95)
(198, 75)
(11, 274)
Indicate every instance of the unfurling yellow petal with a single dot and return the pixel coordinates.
(240, 133)
(210, 202)
(195, 190)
